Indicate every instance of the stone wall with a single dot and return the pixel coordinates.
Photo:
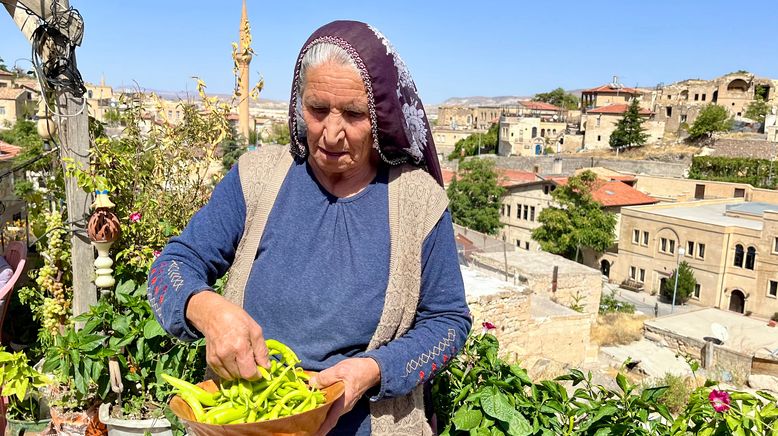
(562, 339)
(510, 312)
(545, 165)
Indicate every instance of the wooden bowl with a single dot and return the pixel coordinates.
(305, 423)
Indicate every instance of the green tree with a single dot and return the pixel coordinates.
(712, 118)
(629, 130)
(279, 134)
(232, 148)
(686, 284)
(112, 117)
(559, 98)
(474, 196)
(470, 146)
(3, 67)
(757, 110)
(577, 221)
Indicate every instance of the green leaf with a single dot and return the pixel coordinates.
(152, 329)
(467, 419)
(621, 380)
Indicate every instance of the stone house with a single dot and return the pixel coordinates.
(730, 244)
(599, 123)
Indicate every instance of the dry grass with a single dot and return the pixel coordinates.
(665, 152)
(617, 329)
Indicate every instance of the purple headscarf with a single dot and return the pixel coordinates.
(401, 132)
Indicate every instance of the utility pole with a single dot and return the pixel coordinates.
(74, 144)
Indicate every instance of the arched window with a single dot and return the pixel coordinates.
(750, 258)
(739, 256)
(534, 132)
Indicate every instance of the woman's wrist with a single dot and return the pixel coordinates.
(199, 308)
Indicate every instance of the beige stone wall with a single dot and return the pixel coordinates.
(7, 113)
(517, 230)
(446, 139)
(572, 143)
(519, 136)
(599, 127)
(715, 272)
(576, 283)
(510, 312)
(455, 117)
(563, 339)
(672, 189)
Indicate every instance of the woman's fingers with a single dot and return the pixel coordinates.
(258, 346)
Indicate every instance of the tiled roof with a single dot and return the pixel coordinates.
(11, 93)
(514, 177)
(539, 106)
(8, 151)
(609, 89)
(5, 73)
(614, 193)
(448, 175)
(618, 108)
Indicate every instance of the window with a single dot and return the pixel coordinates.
(518, 243)
(775, 245)
(635, 236)
(509, 211)
(598, 121)
(690, 248)
(645, 238)
(532, 213)
(526, 245)
(750, 258)
(502, 210)
(672, 246)
(598, 137)
(663, 245)
(696, 291)
(2, 110)
(740, 193)
(699, 192)
(632, 272)
(642, 277)
(696, 97)
(545, 191)
(739, 253)
(683, 118)
(669, 111)
(772, 290)
(701, 251)
(518, 211)
(526, 211)
(703, 97)
(669, 96)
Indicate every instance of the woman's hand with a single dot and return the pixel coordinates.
(234, 344)
(358, 374)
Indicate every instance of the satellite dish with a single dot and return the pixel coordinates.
(719, 332)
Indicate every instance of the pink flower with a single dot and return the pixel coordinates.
(135, 217)
(719, 400)
(487, 326)
(157, 253)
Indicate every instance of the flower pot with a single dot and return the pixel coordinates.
(128, 427)
(77, 423)
(772, 323)
(27, 428)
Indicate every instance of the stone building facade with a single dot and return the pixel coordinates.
(529, 136)
(730, 244)
(599, 123)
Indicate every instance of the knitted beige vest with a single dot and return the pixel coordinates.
(416, 203)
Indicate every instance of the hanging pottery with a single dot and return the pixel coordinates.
(103, 230)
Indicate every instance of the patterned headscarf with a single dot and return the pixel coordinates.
(401, 132)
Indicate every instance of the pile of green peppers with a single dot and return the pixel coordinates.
(282, 391)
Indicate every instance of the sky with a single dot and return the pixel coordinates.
(453, 49)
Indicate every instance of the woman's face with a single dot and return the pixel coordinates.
(335, 110)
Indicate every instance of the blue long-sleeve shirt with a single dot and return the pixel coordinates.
(319, 280)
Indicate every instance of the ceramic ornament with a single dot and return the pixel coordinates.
(103, 230)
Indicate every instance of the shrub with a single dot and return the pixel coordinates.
(679, 389)
(609, 304)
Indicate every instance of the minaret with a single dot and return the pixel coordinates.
(244, 59)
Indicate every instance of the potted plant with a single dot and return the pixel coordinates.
(20, 383)
(131, 341)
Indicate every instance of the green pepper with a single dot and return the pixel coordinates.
(194, 404)
(287, 355)
(204, 397)
(270, 389)
(228, 415)
(282, 402)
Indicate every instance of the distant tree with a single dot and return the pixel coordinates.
(629, 130)
(475, 196)
(112, 117)
(232, 148)
(757, 110)
(686, 284)
(712, 118)
(559, 98)
(24, 134)
(279, 134)
(577, 221)
(476, 143)
(3, 67)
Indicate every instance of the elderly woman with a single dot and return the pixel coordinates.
(340, 246)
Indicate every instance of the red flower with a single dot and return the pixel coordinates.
(135, 217)
(157, 253)
(486, 326)
(719, 400)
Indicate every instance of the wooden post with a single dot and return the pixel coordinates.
(74, 142)
(554, 279)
